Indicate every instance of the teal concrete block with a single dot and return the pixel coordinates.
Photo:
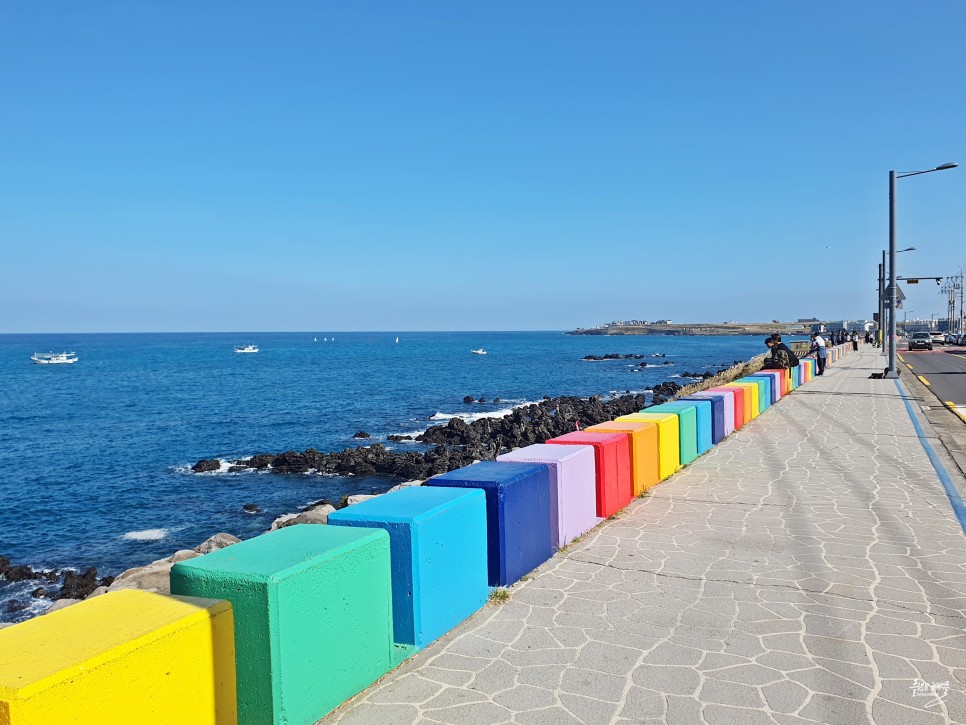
(703, 420)
(313, 616)
(438, 549)
(687, 427)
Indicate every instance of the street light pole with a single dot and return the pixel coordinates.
(891, 371)
(882, 269)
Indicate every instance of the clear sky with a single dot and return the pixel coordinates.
(439, 165)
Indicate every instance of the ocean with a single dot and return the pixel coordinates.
(95, 457)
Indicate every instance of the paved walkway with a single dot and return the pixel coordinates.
(809, 569)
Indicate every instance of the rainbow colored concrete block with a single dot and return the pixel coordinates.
(437, 544)
(313, 616)
(738, 403)
(573, 487)
(700, 412)
(781, 379)
(668, 439)
(517, 514)
(642, 439)
(764, 390)
(719, 411)
(808, 369)
(124, 657)
(774, 378)
(792, 380)
(612, 466)
(750, 398)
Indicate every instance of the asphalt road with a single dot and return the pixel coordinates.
(943, 369)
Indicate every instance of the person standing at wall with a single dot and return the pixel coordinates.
(821, 355)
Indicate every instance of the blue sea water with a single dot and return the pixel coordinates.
(95, 457)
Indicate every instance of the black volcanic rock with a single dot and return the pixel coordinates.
(665, 391)
(362, 434)
(17, 573)
(613, 356)
(206, 465)
(78, 586)
(252, 508)
(457, 443)
(469, 399)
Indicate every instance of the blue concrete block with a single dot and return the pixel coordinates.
(517, 514)
(437, 546)
(718, 428)
(703, 412)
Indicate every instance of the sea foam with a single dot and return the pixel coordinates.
(145, 535)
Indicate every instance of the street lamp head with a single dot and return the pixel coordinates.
(907, 249)
(946, 166)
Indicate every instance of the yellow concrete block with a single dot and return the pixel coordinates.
(668, 439)
(750, 398)
(645, 451)
(125, 657)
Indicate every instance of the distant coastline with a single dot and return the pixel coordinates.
(698, 328)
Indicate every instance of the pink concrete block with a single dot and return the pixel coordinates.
(573, 487)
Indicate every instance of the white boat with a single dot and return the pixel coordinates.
(397, 339)
(246, 348)
(54, 358)
(481, 351)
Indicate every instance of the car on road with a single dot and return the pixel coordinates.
(920, 341)
(937, 338)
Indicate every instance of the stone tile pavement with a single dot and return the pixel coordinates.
(809, 569)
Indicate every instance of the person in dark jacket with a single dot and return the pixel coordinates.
(778, 359)
(777, 339)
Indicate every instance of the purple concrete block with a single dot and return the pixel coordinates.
(573, 487)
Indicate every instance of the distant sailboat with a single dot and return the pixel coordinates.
(397, 339)
(315, 339)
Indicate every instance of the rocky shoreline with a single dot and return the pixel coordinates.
(454, 445)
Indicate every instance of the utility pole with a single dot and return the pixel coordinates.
(950, 288)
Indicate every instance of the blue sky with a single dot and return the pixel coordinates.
(501, 165)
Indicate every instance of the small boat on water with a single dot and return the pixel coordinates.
(54, 358)
(246, 348)
(481, 351)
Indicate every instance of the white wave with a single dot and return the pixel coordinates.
(146, 535)
(470, 417)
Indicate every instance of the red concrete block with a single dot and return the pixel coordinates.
(612, 456)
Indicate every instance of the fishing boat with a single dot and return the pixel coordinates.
(481, 351)
(54, 358)
(246, 348)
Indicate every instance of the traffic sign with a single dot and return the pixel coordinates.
(900, 296)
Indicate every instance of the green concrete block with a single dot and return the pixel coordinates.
(313, 616)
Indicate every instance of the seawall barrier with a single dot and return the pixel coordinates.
(288, 625)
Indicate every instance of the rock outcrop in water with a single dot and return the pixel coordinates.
(457, 443)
